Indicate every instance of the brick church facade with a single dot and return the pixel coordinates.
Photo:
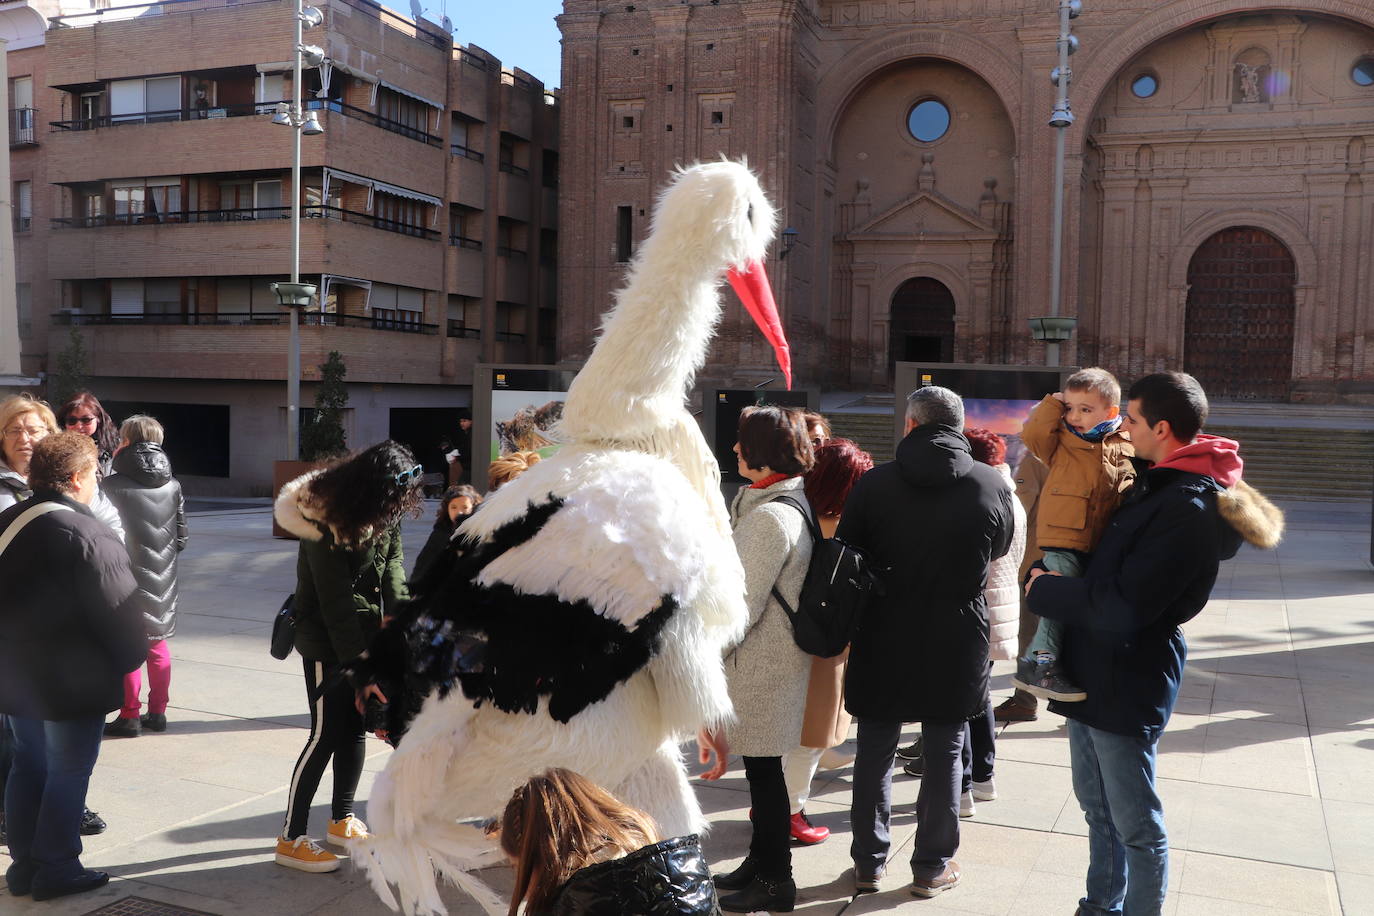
(1220, 179)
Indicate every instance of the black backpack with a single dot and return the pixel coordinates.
(840, 583)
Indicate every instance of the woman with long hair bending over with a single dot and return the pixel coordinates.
(580, 851)
(349, 574)
(766, 672)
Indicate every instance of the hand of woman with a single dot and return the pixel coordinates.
(713, 743)
(362, 694)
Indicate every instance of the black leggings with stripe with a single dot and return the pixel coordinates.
(336, 731)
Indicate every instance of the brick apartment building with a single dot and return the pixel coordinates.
(153, 197)
(1220, 175)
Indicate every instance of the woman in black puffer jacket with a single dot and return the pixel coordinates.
(153, 512)
(579, 851)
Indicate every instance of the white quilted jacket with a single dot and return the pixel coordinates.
(1004, 586)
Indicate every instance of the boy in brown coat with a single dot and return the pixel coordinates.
(1077, 434)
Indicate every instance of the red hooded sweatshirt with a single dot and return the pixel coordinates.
(1217, 457)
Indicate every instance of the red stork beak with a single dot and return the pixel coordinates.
(753, 290)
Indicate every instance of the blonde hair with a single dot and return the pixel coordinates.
(508, 467)
(1097, 381)
(17, 405)
(141, 428)
(559, 822)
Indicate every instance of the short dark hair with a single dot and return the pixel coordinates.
(57, 458)
(453, 493)
(1172, 396)
(775, 437)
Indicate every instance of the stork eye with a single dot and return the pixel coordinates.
(749, 215)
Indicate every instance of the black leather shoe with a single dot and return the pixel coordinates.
(122, 728)
(915, 767)
(19, 879)
(737, 879)
(776, 896)
(154, 721)
(91, 823)
(86, 881)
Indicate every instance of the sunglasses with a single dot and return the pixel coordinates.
(78, 421)
(409, 476)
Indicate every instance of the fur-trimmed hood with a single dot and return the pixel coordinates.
(295, 510)
(1254, 517)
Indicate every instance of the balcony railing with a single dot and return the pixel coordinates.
(506, 251)
(240, 319)
(22, 122)
(245, 109)
(514, 169)
(243, 214)
(23, 223)
(171, 114)
(460, 241)
(460, 150)
(457, 328)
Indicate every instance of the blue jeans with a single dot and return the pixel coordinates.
(1128, 849)
(46, 794)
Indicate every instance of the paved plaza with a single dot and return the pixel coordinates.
(1266, 766)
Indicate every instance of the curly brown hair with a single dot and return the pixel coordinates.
(364, 494)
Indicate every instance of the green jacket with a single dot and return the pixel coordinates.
(341, 594)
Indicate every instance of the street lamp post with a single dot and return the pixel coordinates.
(296, 295)
(1053, 328)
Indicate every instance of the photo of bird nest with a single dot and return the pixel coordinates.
(520, 426)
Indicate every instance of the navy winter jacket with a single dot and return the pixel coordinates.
(1152, 571)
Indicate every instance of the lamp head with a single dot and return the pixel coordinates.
(311, 17)
(1075, 8)
(1062, 116)
(311, 55)
(311, 126)
(283, 115)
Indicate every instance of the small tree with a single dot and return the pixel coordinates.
(323, 437)
(69, 371)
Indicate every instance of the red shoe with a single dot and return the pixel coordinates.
(805, 833)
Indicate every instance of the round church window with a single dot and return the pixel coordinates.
(1363, 72)
(1144, 86)
(928, 120)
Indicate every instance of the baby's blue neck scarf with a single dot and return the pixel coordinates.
(1098, 432)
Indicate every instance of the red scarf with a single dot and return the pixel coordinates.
(771, 479)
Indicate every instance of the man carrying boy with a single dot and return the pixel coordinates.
(1077, 434)
(1153, 571)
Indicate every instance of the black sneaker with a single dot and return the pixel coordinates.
(777, 895)
(91, 823)
(154, 721)
(915, 767)
(1045, 679)
(122, 728)
(911, 751)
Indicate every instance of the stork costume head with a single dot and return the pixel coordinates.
(601, 585)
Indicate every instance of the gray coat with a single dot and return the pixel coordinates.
(766, 672)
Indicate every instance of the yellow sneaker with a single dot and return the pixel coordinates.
(304, 854)
(346, 830)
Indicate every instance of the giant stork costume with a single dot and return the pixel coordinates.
(582, 620)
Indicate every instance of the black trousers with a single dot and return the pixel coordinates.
(336, 733)
(771, 845)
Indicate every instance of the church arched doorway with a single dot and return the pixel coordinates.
(921, 328)
(1238, 330)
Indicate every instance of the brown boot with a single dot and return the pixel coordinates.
(1012, 710)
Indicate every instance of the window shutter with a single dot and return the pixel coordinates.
(126, 297)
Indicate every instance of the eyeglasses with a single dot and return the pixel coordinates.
(78, 421)
(33, 432)
(409, 476)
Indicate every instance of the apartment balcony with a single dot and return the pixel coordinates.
(251, 347)
(23, 127)
(468, 178)
(467, 267)
(241, 138)
(513, 277)
(513, 193)
(239, 241)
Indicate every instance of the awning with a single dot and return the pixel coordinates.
(373, 185)
(407, 92)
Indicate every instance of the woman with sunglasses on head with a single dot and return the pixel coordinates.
(82, 413)
(349, 576)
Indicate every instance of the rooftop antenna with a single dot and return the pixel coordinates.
(416, 11)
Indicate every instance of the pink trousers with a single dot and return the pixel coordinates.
(159, 680)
